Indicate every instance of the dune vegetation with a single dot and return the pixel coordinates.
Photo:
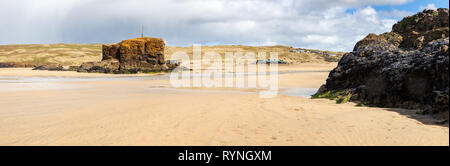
(30, 55)
(44, 54)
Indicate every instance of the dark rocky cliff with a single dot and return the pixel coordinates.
(407, 67)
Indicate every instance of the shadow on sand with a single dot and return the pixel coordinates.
(441, 120)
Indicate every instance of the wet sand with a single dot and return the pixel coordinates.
(147, 111)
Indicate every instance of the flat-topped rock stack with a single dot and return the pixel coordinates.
(407, 67)
(131, 56)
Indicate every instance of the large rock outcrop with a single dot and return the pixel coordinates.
(406, 68)
(131, 56)
(423, 27)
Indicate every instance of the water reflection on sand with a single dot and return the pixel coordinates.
(23, 83)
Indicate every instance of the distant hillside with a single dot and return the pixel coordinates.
(44, 54)
(75, 54)
(286, 53)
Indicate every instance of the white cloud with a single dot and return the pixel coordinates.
(429, 6)
(387, 23)
(318, 24)
(397, 14)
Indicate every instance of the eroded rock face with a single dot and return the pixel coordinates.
(13, 64)
(50, 68)
(105, 66)
(110, 51)
(131, 56)
(419, 29)
(7, 65)
(406, 68)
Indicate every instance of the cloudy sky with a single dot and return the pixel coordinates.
(318, 24)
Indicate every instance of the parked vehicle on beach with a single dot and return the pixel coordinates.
(270, 61)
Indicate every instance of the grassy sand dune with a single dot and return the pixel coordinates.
(44, 54)
(284, 52)
(75, 54)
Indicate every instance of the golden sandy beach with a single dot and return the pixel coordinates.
(145, 110)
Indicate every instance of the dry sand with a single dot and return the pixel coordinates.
(150, 112)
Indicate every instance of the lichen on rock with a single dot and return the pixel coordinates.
(423, 27)
(131, 56)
